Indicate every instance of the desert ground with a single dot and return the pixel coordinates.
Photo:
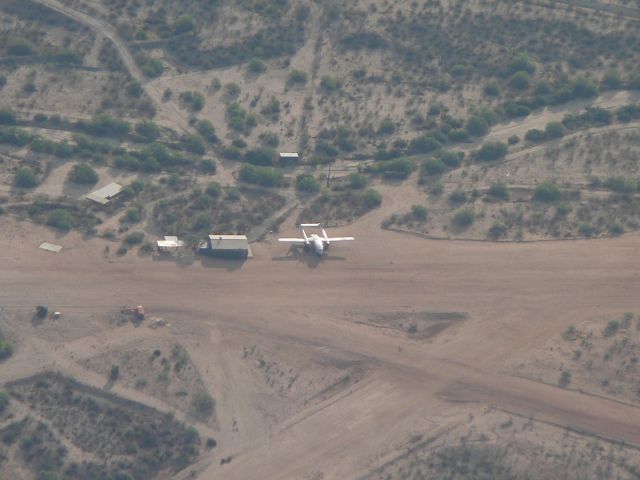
(504, 348)
(315, 316)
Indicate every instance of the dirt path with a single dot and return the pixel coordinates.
(517, 296)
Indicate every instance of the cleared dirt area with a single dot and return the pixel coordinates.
(299, 312)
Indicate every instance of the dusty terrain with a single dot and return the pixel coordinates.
(515, 297)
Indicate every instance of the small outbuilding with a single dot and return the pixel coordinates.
(105, 194)
(170, 244)
(289, 158)
(225, 246)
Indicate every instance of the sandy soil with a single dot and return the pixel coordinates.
(517, 296)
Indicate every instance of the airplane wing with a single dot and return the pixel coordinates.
(293, 240)
(340, 239)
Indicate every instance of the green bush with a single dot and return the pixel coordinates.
(477, 126)
(25, 178)
(464, 218)
(387, 127)
(535, 135)
(565, 379)
(203, 404)
(554, 130)
(451, 159)
(499, 191)
(192, 100)
(232, 89)
(357, 181)
(41, 312)
(307, 184)
(424, 144)
(520, 63)
(297, 77)
(458, 196)
(621, 184)
(148, 130)
(264, 176)
(491, 151)
(330, 84)
(260, 156)
(105, 125)
(133, 238)
(497, 230)
(213, 190)
(4, 401)
(547, 192)
(371, 199)
(399, 168)
(83, 173)
(419, 212)
(184, 24)
(207, 130)
(6, 348)
(61, 219)
(520, 81)
(7, 116)
(193, 143)
(19, 47)
(611, 329)
(256, 66)
(433, 166)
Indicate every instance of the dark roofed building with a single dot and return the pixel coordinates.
(225, 246)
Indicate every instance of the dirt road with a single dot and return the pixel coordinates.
(517, 296)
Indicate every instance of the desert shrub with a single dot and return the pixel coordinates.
(464, 218)
(565, 379)
(213, 190)
(371, 199)
(256, 66)
(184, 24)
(554, 130)
(148, 130)
(611, 80)
(458, 196)
(547, 192)
(114, 373)
(433, 166)
(239, 119)
(83, 173)
(628, 113)
(424, 144)
(622, 184)
(586, 229)
(7, 116)
(19, 47)
(105, 125)
(362, 40)
(264, 176)
(232, 89)
(477, 125)
(61, 219)
(451, 159)
(491, 151)
(133, 238)
(193, 142)
(207, 130)
(134, 89)
(535, 135)
(297, 77)
(269, 139)
(592, 117)
(4, 401)
(330, 84)
(521, 62)
(152, 67)
(260, 156)
(419, 212)
(436, 189)
(192, 100)
(6, 348)
(203, 404)
(387, 127)
(357, 181)
(520, 81)
(307, 184)
(41, 312)
(498, 191)
(492, 89)
(399, 168)
(611, 329)
(497, 230)
(201, 221)
(25, 178)
(513, 139)
(271, 109)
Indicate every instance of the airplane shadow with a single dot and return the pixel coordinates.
(310, 259)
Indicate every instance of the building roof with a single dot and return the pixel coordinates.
(105, 194)
(288, 155)
(229, 242)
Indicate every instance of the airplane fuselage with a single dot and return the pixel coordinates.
(317, 244)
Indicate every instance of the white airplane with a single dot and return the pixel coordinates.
(318, 243)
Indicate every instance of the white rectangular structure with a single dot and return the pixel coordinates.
(50, 247)
(289, 157)
(105, 194)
